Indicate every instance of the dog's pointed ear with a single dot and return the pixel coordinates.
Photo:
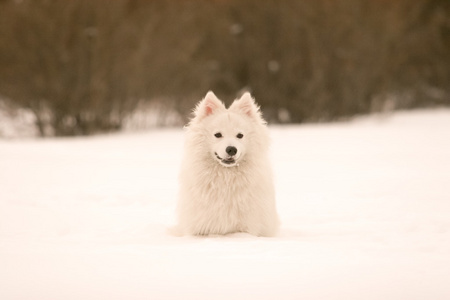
(247, 105)
(208, 106)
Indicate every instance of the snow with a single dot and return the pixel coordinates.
(365, 207)
(16, 122)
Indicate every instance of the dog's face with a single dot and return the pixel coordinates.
(228, 132)
(228, 138)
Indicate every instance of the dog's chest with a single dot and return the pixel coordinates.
(229, 187)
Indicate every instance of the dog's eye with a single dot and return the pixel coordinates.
(218, 135)
(239, 135)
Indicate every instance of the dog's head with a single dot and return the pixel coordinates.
(229, 133)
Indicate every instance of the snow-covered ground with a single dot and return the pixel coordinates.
(365, 208)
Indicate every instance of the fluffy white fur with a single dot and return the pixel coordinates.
(222, 193)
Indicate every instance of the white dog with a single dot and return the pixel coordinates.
(226, 180)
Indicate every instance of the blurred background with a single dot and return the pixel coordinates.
(90, 66)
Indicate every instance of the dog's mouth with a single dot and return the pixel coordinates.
(229, 161)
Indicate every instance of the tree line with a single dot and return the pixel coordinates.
(83, 66)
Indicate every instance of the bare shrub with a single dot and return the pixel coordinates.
(84, 66)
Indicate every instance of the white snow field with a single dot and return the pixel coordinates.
(365, 210)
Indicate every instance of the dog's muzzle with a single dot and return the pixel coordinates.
(227, 161)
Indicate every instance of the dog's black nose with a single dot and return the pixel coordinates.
(231, 151)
